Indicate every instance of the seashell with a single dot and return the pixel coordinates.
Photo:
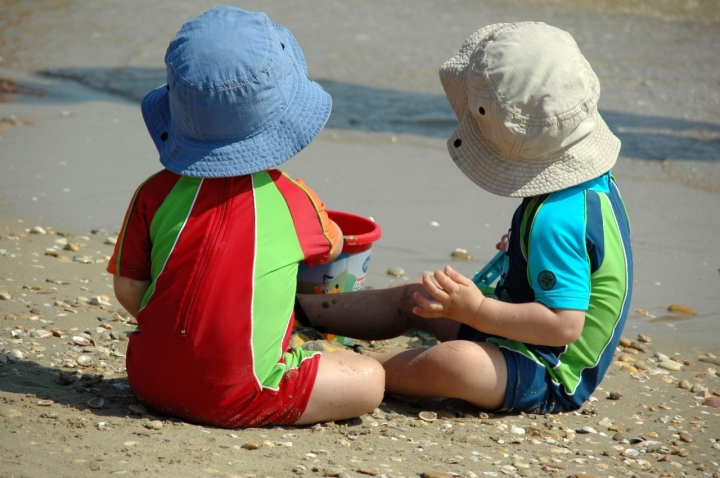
(428, 416)
(685, 385)
(644, 339)
(103, 426)
(396, 271)
(96, 402)
(81, 340)
(16, 333)
(38, 230)
(251, 445)
(16, 354)
(85, 360)
(41, 333)
(4, 295)
(45, 403)
(682, 309)
(713, 401)
(517, 430)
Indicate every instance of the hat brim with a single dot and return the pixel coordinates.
(590, 157)
(587, 159)
(307, 112)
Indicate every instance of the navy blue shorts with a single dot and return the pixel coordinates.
(530, 388)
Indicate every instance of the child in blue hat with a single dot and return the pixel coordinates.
(209, 250)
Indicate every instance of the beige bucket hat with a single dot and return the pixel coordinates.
(526, 99)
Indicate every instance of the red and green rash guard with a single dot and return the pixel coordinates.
(222, 256)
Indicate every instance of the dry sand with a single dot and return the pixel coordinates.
(66, 408)
(70, 157)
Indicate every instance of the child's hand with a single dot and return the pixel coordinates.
(457, 298)
(502, 245)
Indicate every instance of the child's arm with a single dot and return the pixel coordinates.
(130, 292)
(337, 240)
(459, 299)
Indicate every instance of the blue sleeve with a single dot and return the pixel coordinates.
(558, 268)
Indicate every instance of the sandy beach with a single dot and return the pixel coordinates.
(73, 148)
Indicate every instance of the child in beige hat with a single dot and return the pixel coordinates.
(542, 340)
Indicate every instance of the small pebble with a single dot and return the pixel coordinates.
(10, 413)
(460, 255)
(625, 342)
(644, 339)
(369, 471)
(138, 409)
(685, 385)
(153, 425)
(396, 272)
(614, 395)
(670, 365)
(682, 309)
(697, 388)
(4, 295)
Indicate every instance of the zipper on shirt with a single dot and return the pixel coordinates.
(207, 258)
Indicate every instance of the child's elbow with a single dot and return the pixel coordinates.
(572, 323)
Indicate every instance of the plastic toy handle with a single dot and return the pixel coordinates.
(491, 271)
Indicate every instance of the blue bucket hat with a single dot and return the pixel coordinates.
(237, 99)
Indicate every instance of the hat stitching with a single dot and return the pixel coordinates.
(224, 141)
(591, 96)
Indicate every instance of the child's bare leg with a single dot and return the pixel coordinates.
(474, 372)
(373, 314)
(347, 385)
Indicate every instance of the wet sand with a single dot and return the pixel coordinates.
(70, 160)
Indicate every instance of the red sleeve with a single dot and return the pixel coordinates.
(132, 255)
(318, 235)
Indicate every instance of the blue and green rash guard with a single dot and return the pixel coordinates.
(571, 250)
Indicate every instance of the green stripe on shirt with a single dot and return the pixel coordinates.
(167, 224)
(277, 255)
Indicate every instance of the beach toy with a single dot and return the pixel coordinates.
(491, 271)
(348, 272)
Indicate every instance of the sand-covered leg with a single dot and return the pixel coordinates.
(375, 314)
(348, 385)
(475, 372)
